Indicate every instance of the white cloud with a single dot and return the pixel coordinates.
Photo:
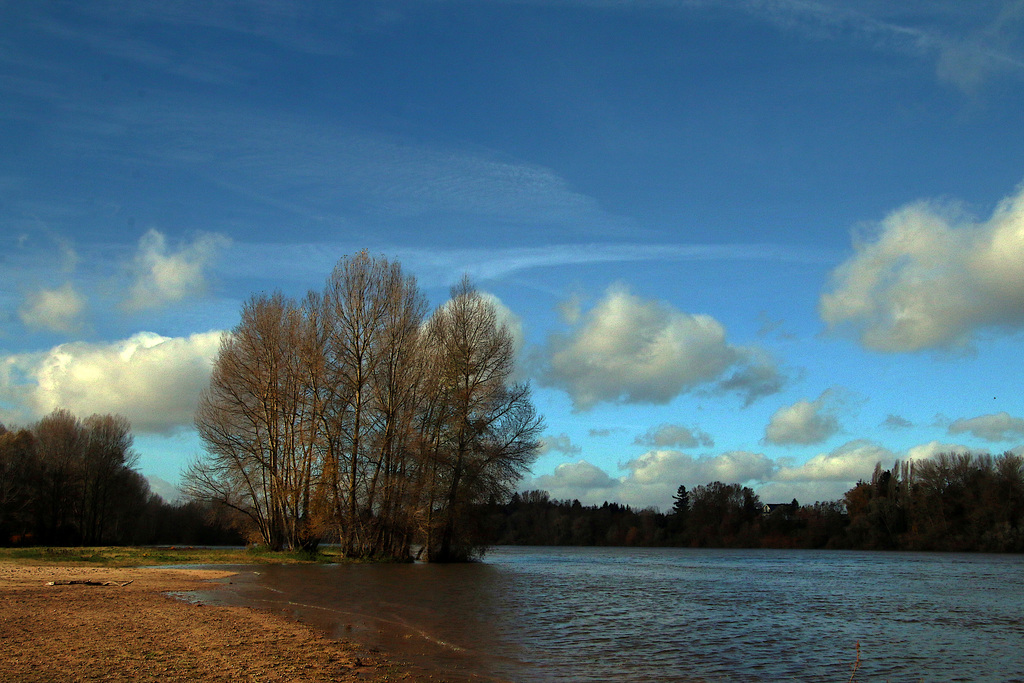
(633, 350)
(653, 478)
(804, 422)
(577, 480)
(996, 427)
(55, 310)
(661, 465)
(152, 380)
(932, 278)
(512, 322)
(165, 276)
(165, 489)
(933, 448)
(852, 461)
(674, 436)
(558, 443)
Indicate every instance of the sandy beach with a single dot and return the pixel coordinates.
(136, 632)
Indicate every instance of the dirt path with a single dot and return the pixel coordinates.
(137, 633)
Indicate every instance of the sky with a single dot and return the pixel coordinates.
(769, 242)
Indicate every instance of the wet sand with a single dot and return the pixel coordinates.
(136, 632)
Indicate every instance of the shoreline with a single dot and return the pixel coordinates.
(141, 632)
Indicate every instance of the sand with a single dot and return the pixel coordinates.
(137, 632)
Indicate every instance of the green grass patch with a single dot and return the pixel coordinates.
(137, 557)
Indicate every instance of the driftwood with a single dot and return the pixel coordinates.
(83, 582)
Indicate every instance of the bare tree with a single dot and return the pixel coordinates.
(107, 453)
(19, 474)
(60, 441)
(481, 431)
(258, 426)
(372, 313)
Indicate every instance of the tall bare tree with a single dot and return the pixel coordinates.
(106, 455)
(481, 430)
(60, 441)
(19, 475)
(372, 312)
(258, 426)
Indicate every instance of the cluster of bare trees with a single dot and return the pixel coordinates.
(954, 501)
(353, 415)
(67, 480)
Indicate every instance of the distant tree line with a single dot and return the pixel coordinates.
(68, 481)
(953, 502)
(352, 416)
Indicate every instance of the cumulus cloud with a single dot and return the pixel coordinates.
(507, 317)
(163, 275)
(54, 310)
(674, 436)
(558, 443)
(931, 278)
(152, 380)
(933, 448)
(653, 478)
(514, 324)
(996, 427)
(734, 466)
(578, 480)
(804, 422)
(633, 350)
(852, 461)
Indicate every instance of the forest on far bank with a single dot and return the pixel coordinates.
(953, 502)
(68, 481)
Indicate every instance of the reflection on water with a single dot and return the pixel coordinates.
(598, 614)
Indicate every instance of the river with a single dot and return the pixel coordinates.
(670, 614)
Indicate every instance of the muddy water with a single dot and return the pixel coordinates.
(599, 614)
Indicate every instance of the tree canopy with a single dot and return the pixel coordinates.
(353, 415)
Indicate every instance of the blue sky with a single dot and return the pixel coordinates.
(764, 242)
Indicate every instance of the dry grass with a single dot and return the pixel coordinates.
(164, 555)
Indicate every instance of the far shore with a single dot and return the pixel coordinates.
(120, 624)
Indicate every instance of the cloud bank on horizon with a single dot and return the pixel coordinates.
(773, 243)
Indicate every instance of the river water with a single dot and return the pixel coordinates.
(669, 614)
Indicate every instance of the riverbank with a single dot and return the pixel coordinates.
(132, 630)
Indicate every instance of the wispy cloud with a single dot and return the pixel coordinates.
(967, 47)
(55, 310)
(967, 42)
(897, 422)
(558, 443)
(441, 267)
(164, 275)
